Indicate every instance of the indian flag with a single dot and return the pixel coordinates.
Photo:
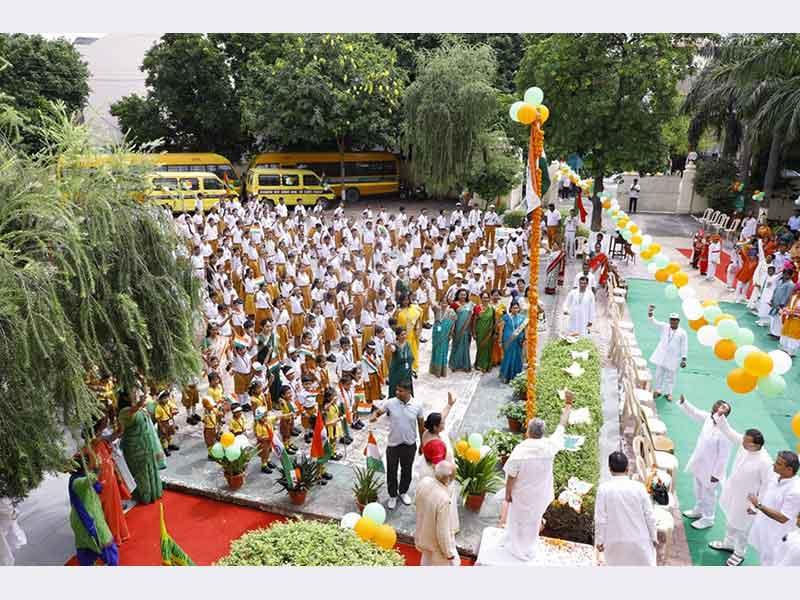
(373, 454)
(532, 199)
(320, 444)
(172, 555)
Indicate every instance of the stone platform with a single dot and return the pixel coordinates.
(549, 553)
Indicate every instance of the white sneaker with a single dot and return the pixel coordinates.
(392, 503)
(406, 499)
(691, 514)
(702, 523)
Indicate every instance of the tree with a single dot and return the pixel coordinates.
(497, 170)
(447, 110)
(90, 281)
(37, 71)
(323, 89)
(191, 101)
(609, 95)
(714, 180)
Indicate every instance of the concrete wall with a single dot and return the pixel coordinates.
(659, 194)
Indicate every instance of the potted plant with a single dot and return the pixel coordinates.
(515, 413)
(303, 475)
(234, 469)
(366, 486)
(502, 443)
(519, 387)
(477, 479)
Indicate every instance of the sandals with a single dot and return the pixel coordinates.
(735, 560)
(719, 545)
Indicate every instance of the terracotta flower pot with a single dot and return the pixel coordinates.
(235, 481)
(474, 502)
(513, 425)
(298, 497)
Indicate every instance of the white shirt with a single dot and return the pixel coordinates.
(672, 346)
(500, 256)
(592, 281)
(749, 227)
(712, 450)
(553, 218)
(623, 513)
(794, 222)
(403, 419)
(783, 496)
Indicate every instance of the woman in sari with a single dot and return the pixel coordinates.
(400, 368)
(599, 266)
(499, 311)
(482, 331)
(141, 449)
(555, 271)
(513, 342)
(408, 318)
(462, 337)
(444, 318)
(113, 490)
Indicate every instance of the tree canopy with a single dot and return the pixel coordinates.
(90, 282)
(35, 71)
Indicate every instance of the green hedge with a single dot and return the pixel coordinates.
(514, 218)
(562, 521)
(307, 544)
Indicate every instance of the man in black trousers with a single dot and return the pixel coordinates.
(633, 196)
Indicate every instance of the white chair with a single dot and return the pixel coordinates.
(719, 226)
(705, 216)
(730, 232)
(711, 218)
(581, 246)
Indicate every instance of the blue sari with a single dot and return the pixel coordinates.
(459, 356)
(440, 343)
(513, 344)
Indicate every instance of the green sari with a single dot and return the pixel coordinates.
(142, 452)
(401, 368)
(484, 338)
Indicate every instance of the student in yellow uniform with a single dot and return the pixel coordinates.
(212, 420)
(258, 397)
(238, 425)
(165, 421)
(263, 430)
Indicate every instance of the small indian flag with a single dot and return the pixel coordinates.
(258, 281)
(320, 444)
(373, 454)
(239, 343)
(172, 555)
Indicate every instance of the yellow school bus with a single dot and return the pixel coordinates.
(200, 162)
(365, 173)
(295, 186)
(181, 191)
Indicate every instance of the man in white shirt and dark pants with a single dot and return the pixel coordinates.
(570, 231)
(405, 422)
(670, 353)
(708, 461)
(633, 195)
(624, 524)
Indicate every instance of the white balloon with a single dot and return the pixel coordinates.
(635, 248)
(651, 267)
(707, 335)
(485, 450)
(241, 441)
(692, 309)
(686, 292)
(646, 241)
(781, 362)
(349, 520)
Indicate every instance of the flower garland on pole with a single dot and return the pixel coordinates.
(532, 112)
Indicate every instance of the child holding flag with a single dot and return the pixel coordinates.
(264, 432)
(286, 425)
(321, 448)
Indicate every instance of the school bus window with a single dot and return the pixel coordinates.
(212, 184)
(291, 180)
(266, 180)
(190, 183)
(165, 182)
(312, 180)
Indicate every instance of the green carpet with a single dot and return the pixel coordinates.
(703, 382)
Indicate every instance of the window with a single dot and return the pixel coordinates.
(190, 183)
(370, 169)
(291, 180)
(269, 180)
(311, 180)
(223, 171)
(210, 183)
(175, 168)
(327, 169)
(170, 183)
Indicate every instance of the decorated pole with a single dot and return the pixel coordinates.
(532, 112)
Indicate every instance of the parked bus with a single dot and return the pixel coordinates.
(181, 191)
(365, 173)
(201, 162)
(295, 186)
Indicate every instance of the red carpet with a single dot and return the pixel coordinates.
(204, 528)
(722, 267)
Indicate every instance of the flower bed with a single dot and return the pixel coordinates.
(562, 521)
(307, 544)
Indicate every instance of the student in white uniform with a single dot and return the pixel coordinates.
(714, 256)
(670, 353)
(570, 231)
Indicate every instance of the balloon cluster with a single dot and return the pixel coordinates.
(531, 109)
(758, 196)
(229, 446)
(715, 329)
(565, 173)
(472, 448)
(737, 186)
(371, 525)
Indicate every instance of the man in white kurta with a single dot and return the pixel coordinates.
(529, 485)
(670, 353)
(708, 461)
(624, 524)
(434, 536)
(776, 510)
(790, 547)
(580, 306)
(750, 474)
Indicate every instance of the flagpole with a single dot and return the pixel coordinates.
(535, 149)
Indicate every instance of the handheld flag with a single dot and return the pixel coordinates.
(373, 454)
(320, 444)
(172, 555)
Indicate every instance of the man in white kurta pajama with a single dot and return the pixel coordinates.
(529, 485)
(708, 461)
(750, 474)
(580, 306)
(670, 353)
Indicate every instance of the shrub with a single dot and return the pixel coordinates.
(514, 218)
(502, 442)
(514, 409)
(519, 386)
(714, 180)
(562, 521)
(367, 485)
(307, 544)
(305, 474)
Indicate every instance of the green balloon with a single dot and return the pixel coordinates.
(627, 235)
(743, 337)
(475, 440)
(741, 354)
(711, 313)
(233, 452)
(534, 95)
(727, 329)
(512, 112)
(671, 292)
(772, 386)
(661, 261)
(217, 451)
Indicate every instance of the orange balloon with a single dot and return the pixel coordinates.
(473, 455)
(655, 248)
(697, 323)
(662, 275)
(622, 222)
(365, 528)
(527, 114)
(636, 239)
(796, 424)
(741, 382)
(385, 536)
(606, 203)
(722, 317)
(226, 439)
(543, 112)
(680, 279)
(672, 267)
(634, 228)
(461, 447)
(725, 349)
(758, 364)
(705, 303)
(614, 212)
